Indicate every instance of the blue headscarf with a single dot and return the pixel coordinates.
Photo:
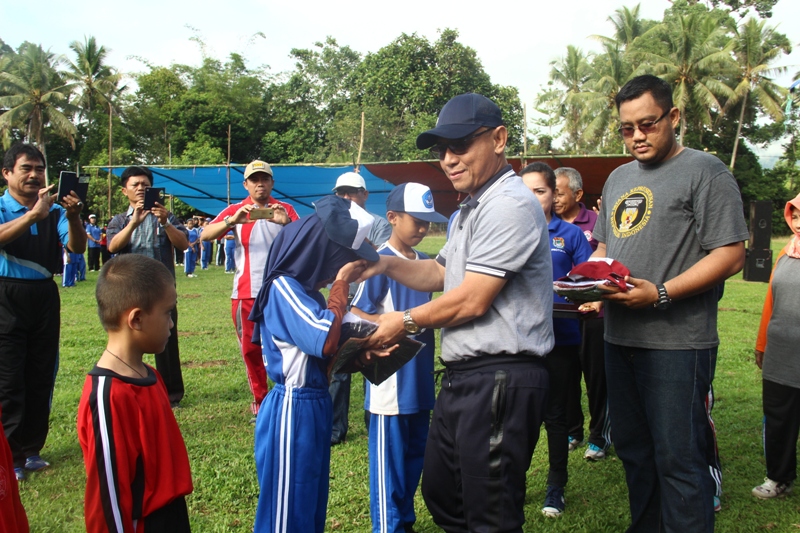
(302, 251)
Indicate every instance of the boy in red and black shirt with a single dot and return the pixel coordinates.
(137, 468)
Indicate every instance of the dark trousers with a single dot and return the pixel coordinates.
(592, 367)
(561, 364)
(781, 428)
(168, 363)
(484, 429)
(340, 396)
(172, 518)
(94, 258)
(30, 319)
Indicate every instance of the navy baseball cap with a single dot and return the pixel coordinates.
(459, 117)
(415, 199)
(347, 224)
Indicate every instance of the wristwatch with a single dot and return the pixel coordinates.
(227, 221)
(410, 326)
(664, 301)
(166, 224)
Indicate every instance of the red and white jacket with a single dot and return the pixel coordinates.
(252, 248)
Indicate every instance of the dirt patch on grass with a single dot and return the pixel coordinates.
(190, 296)
(205, 364)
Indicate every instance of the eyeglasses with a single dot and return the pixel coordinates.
(644, 127)
(458, 146)
(348, 191)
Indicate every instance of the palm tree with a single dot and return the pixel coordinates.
(757, 45)
(695, 55)
(98, 81)
(35, 96)
(609, 71)
(627, 26)
(571, 73)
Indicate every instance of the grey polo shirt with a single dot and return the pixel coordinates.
(501, 232)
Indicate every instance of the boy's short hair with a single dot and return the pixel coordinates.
(130, 172)
(127, 281)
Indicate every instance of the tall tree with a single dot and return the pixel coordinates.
(757, 47)
(695, 54)
(36, 96)
(97, 81)
(569, 75)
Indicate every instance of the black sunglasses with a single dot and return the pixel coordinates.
(458, 146)
(644, 127)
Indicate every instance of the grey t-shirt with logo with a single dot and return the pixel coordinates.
(659, 220)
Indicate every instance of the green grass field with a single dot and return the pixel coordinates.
(214, 421)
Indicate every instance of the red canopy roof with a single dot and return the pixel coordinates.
(593, 169)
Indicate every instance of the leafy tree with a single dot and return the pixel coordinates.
(757, 46)
(694, 51)
(97, 81)
(569, 75)
(35, 96)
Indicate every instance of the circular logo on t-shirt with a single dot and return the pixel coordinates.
(631, 212)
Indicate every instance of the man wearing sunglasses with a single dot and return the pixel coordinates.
(496, 320)
(674, 218)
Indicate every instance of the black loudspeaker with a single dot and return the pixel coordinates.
(760, 224)
(758, 265)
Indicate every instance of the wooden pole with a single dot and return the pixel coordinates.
(228, 165)
(360, 144)
(110, 121)
(525, 134)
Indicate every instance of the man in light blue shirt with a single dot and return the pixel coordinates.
(32, 230)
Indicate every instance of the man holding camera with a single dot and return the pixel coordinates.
(32, 230)
(152, 232)
(255, 222)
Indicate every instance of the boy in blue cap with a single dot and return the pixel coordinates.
(400, 407)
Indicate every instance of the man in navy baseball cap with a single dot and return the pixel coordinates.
(496, 319)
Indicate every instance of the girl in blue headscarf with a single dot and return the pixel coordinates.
(299, 332)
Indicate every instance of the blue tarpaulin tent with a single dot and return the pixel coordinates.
(206, 188)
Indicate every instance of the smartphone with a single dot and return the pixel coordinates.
(70, 181)
(153, 195)
(262, 213)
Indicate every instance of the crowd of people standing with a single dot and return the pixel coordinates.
(673, 217)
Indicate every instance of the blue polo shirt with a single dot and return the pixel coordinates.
(96, 233)
(568, 247)
(36, 253)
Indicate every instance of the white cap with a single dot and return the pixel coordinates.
(351, 179)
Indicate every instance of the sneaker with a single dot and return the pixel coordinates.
(594, 453)
(35, 463)
(574, 443)
(770, 489)
(553, 502)
(717, 504)
(253, 420)
(19, 473)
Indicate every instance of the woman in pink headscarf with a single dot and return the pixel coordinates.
(778, 358)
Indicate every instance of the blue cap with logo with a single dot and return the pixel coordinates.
(415, 199)
(459, 117)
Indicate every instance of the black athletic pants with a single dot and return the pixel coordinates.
(30, 319)
(485, 425)
(94, 258)
(561, 364)
(168, 363)
(781, 428)
(592, 366)
(172, 518)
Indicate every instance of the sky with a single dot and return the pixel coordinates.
(515, 42)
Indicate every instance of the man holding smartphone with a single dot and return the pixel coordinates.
(152, 232)
(255, 222)
(32, 230)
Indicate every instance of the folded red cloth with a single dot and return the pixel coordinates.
(600, 268)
